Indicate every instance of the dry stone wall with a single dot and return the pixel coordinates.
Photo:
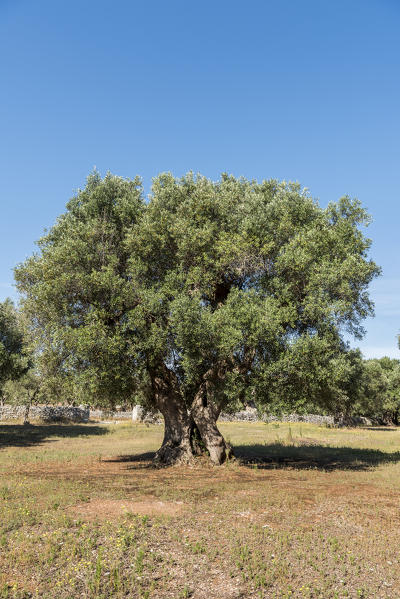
(310, 418)
(251, 415)
(109, 415)
(138, 414)
(45, 413)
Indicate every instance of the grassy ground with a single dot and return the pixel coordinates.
(304, 512)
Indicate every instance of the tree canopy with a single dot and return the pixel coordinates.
(191, 299)
(13, 362)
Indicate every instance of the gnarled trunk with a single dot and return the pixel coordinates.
(176, 447)
(205, 414)
(187, 433)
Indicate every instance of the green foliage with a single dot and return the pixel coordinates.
(222, 283)
(13, 361)
(381, 390)
(315, 374)
(25, 390)
(78, 292)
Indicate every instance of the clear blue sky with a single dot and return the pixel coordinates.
(299, 90)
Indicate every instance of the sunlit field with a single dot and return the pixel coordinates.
(303, 511)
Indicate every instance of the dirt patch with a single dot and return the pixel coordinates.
(105, 509)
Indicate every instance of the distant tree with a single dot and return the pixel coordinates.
(24, 391)
(381, 390)
(13, 361)
(392, 403)
(57, 384)
(315, 374)
(190, 298)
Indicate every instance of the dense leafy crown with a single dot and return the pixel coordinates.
(206, 279)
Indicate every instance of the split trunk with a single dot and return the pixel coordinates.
(189, 432)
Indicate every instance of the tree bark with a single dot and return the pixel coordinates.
(176, 446)
(205, 414)
(26, 414)
(197, 443)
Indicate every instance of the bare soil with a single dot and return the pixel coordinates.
(84, 514)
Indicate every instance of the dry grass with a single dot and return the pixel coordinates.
(305, 511)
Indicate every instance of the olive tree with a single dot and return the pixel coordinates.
(317, 374)
(13, 362)
(24, 391)
(188, 298)
(381, 390)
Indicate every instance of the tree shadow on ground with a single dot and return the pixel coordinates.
(320, 457)
(142, 460)
(19, 435)
(380, 429)
(277, 455)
